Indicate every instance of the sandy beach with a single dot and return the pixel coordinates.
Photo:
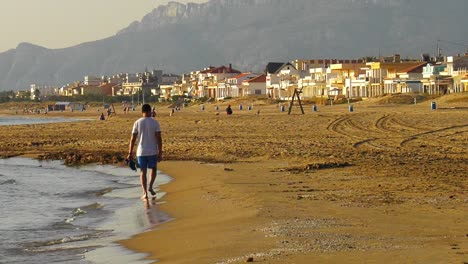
(386, 183)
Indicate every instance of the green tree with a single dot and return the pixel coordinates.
(37, 93)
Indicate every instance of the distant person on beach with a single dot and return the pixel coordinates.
(102, 117)
(147, 132)
(229, 110)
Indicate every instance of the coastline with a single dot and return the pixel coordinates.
(382, 183)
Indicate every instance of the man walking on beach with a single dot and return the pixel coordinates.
(147, 132)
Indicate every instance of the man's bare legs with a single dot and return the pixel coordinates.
(143, 182)
(152, 179)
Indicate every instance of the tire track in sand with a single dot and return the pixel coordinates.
(437, 131)
(339, 126)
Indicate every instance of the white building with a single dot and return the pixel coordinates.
(281, 79)
(92, 81)
(234, 84)
(43, 90)
(255, 86)
(170, 79)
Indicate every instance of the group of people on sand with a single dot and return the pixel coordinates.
(126, 109)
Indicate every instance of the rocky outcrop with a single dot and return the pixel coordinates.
(247, 33)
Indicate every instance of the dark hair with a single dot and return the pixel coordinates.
(146, 108)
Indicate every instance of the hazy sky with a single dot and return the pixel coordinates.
(64, 23)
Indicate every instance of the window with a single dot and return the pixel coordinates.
(258, 91)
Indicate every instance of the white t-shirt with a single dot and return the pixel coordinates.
(146, 128)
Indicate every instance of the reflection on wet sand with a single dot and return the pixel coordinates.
(153, 213)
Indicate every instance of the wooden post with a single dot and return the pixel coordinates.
(296, 93)
(113, 108)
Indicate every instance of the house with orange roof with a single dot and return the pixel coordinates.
(208, 80)
(234, 84)
(91, 90)
(72, 89)
(107, 89)
(377, 72)
(255, 86)
(406, 80)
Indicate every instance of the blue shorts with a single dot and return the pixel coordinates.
(146, 162)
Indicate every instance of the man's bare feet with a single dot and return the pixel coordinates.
(144, 197)
(152, 192)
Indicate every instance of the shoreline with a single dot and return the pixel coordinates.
(86, 221)
(381, 183)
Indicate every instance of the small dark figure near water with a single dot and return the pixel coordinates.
(102, 117)
(229, 110)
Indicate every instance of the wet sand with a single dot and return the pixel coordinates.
(386, 183)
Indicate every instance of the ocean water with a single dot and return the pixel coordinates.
(25, 120)
(51, 213)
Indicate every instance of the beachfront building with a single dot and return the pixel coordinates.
(166, 90)
(108, 88)
(377, 72)
(140, 84)
(191, 82)
(458, 68)
(92, 81)
(405, 81)
(207, 81)
(234, 84)
(331, 77)
(43, 91)
(464, 83)
(255, 86)
(344, 76)
(91, 90)
(169, 78)
(170, 86)
(315, 83)
(434, 82)
(281, 79)
(73, 89)
(187, 85)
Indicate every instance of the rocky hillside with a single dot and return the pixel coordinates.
(247, 33)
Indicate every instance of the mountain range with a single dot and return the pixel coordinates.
(179, 38)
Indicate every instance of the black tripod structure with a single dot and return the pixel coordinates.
(296, 94)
